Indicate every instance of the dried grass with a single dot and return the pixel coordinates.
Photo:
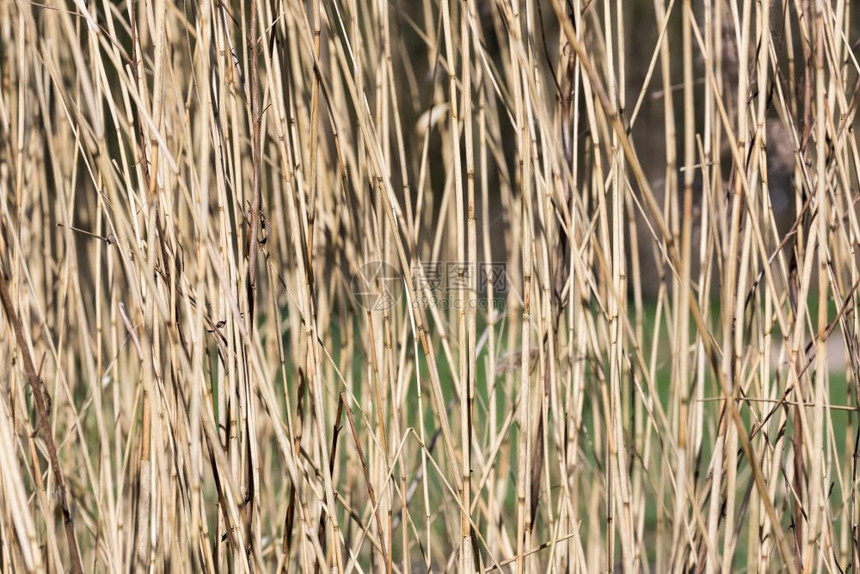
(188, 189)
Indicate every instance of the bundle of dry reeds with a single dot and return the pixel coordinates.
(433, 285)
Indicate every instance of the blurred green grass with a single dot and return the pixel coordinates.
(837, 429)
